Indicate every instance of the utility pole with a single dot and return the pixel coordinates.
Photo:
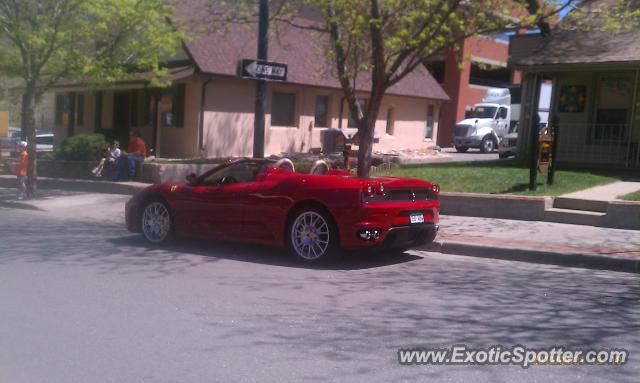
(261, 85)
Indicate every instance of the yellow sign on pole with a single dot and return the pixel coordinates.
(4, 124)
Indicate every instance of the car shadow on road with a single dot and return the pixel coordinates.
(275, 256)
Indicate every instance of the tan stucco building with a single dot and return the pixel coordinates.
(208, 110)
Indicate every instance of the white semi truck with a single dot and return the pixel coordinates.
(488, 122)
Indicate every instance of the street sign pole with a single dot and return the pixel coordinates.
(261, 84)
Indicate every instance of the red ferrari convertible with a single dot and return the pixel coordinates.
(265, 201)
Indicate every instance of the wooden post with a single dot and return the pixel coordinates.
(533, 134)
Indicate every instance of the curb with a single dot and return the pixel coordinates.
(589, 261)
(97, 186)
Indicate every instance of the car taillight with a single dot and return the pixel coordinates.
(433, 192)
(369, 190)
(380, 190)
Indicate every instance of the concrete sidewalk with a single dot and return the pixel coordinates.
(540, 242)
(609, 192)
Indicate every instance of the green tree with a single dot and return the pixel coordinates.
(377, 43)
(87, 41)
(374, 44)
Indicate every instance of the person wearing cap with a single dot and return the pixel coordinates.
(21, 170)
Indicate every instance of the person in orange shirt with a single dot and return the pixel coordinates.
(21, 170)
(128, 160)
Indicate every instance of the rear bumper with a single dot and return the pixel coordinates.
(392, 222)
(409, 236)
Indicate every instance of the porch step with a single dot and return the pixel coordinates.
(580, 204)
(575, 217)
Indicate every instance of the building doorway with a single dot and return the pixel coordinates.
(122, 117)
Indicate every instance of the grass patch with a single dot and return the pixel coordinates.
(503, 177)
(635, 196)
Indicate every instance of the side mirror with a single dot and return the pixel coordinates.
(191, 178)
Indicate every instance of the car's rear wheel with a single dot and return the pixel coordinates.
(461, 149)
(156, 222)
(312, 236)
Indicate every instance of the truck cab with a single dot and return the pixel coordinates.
(483, 128)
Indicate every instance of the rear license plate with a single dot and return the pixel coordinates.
(416, 218)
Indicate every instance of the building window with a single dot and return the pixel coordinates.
(62, 109)
(80, 110)
(322, 112)
(390, 122)
(488, 75)
(363, 106)
(283, 106)
(428, 133)
(613, 108)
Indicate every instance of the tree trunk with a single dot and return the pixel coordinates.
(29, 134)
(365, 148)
(366, 132)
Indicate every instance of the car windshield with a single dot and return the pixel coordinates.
(483, 112)
(241, 172)
(44, 140)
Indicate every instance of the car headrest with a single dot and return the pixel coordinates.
(319, 167)
(285, 163)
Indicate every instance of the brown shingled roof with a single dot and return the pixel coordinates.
(580, 42)
(584, 47)
(301, 50)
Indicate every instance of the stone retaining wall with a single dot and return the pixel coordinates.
(495, 206)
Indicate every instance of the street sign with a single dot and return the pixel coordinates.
(262, 70)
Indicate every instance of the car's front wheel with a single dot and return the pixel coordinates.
(156, 222)
(312, 236)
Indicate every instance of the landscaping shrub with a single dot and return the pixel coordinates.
(82, 147)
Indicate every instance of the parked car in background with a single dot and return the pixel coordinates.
(267, 202)
(44, 142)
(509, 143)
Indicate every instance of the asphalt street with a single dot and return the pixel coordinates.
(83, 300)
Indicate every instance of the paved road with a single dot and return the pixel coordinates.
(82, 300)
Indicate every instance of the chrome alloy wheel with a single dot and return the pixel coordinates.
(310, 235)
(156, 222)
